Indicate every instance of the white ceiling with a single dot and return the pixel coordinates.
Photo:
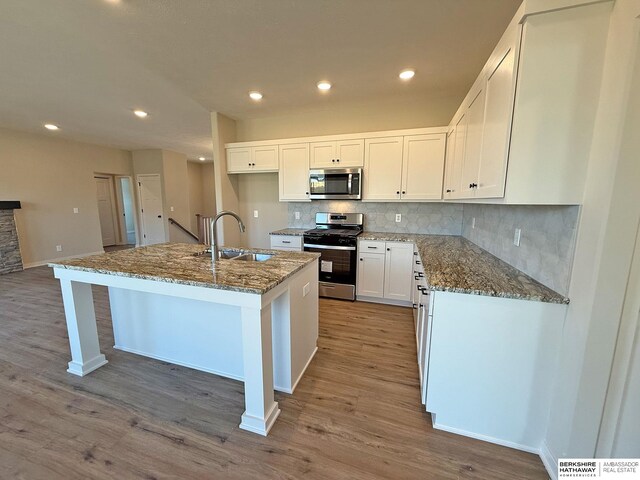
(86, 64)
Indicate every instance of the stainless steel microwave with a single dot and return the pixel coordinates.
(335, 183)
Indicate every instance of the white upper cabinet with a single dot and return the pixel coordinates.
(455, 157)
(293, 175)
(498, 110)
(337, 154)
(473, 144)
(252, 159)
(407, 168)
(423, 167)
(382, 168)
(530, 114)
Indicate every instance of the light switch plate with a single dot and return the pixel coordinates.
(297, 215)
(255, 214)
(398, 217)
(76, 210)
(58, 248)
(516, 237)
(172, 209)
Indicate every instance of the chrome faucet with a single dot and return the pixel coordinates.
(214, 235)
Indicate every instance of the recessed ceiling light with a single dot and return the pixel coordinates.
(255, 95)
(140, 113)
(324, 85)
(202, 159)
(407, 74)
(51, 126)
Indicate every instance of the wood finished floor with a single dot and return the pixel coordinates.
(356, 414)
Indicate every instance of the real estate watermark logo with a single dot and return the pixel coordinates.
(608, 468)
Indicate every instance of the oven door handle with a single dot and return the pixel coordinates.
(328, 247)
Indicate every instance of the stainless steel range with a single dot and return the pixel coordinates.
(335, 238)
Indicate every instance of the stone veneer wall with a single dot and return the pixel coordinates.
(10, 258)
(547, 241)
(431, 218)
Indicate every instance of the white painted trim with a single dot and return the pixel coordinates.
(54, 260)
(384, 301)
(183, 364)
(257, 425)
(345, 136)
(549, 461)
(485, 438)
(81, 370)
(295, 384)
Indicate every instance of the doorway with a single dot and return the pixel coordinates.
(107, 210)
(150, 195)
(126, 209)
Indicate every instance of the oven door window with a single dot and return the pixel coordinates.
(337, 266)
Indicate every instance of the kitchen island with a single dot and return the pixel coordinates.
(253, 317)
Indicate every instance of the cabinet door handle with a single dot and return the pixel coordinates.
(398, 192)
(417, 278)
(418, 262)
(448, 190)
(414, 306)
(286, 241)
(361, 260)
(403, 192)
(333, 160)
(388, 249)
(375, 248)
(338, 160)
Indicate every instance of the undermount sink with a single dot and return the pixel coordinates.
(236, 255)
(254, 257)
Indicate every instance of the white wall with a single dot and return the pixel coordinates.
(176, 188)
(259, 191)
(194, 173)
(610, 215)
(399, 112)
(51, 176)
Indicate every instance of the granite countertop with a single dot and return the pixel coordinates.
(176, 263)
(291, 231)
(454, 264)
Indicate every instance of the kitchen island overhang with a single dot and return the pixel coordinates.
(253, 321)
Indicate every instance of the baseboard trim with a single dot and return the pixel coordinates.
(485, 438)
(54, 260)
(295, 384)
(182, 364)
(549, 461)
(384, 301)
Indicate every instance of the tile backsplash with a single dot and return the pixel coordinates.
(433, 218)
(547, 240)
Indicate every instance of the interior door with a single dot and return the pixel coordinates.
(106, 211)
(151, 209)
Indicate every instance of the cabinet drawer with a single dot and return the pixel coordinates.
(292, 242)
(372, 246)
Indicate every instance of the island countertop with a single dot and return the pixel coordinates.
(454, 264)
(176, 263)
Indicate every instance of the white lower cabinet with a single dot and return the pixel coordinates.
(384, 271)
(398, 269)
(286, 242)
(371, 274)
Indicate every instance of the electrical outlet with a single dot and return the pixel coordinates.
(172, 209)
(255, 214)
(398, 217)
(76, 210)
(473, 222)
(516, 237)
(297, 215)
(58, 248)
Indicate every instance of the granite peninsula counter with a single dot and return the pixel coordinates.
(255, 321)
